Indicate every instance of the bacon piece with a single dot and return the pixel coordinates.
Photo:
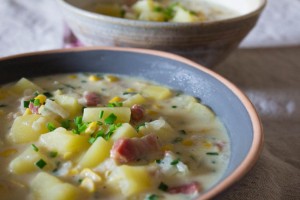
(137, 112)
(189, 188)
(128, 150)
(33, 109)
(91, 98)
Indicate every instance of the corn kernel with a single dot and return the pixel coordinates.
(73, 76)
(92, 127)
(129, 90)
(168, 147)
(74, 172)
(111, 78)
(67, 155)
(156, 106)
(87, 173)
(94, 78)
(207, 144)
(41, 97)
(88, 184)
(187, 142)
(116, 99)
(27, 112)
(8, 152)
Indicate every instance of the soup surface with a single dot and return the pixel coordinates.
(102, 136)
(165, 10)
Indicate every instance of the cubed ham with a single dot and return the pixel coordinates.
(34, 109)
(137, 112)
(91, 98)
(129, 150)
(189, 188)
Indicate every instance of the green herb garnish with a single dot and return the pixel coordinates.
(52, 154)
(178, 139)
(174, 162)
(115, 104)
(51, 126)
(101, 114)
(212, 153)
(48, 94)
(35, 148)
(78, 120)
(26, 104)
(174, 106)
(41, 164)
(92, 140)
(152, 197)
(137, 128)
(110, 119)
(36, 102)
(66, 124)
(162, 186)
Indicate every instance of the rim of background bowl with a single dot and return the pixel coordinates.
(258, 137)
(139, 23)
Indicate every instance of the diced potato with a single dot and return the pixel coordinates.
(131, 179)
(28, 128)
(55, 108)
(143, 6)
(152, 16)
(48, 187)
(24, 84)
(124, 131)
(25, 162)
(135, 99)
(64, 142)
(93, 114)
(70, 104)
(156, 92)
(97, 153)
(161, 128)
(183, 15)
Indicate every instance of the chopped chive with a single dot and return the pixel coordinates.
(132, 93)
(66, 124)
(78, 120)
(52, 154)
(69, 86)
(158, 161)
(35, 148)
(110, 119)
(36, 102)
(82, 127)
(152, 197)
(178, 139)
(75, 131)
(100, 133)
(48, 94)
(51, 126)
(92, 140)
(162, 186)
(99, 123)
(174, 162)
(80, 180)
(137, 128)
(36, 93)
(101, 114)
(115, 104)
(41, 164)
(174, 106)
(182, 132)
(83, 81)
(26, 104)
(212, 153)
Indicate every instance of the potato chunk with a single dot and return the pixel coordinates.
(156, 92)
(135, 99)
(28, 128)
(25, 162)
(93, 114)
(96, 154)
(70, 104)
(48, 187)
(64, 142)
(124, 131)
(24, 84)
(131, 180)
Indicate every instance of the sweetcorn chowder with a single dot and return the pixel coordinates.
(101, 136)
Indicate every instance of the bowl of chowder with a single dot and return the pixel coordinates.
(205, 31)
(117, 123)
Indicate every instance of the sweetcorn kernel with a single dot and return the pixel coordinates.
(111, 78)
(207, 144)
(41, 97)
(187, 142)
(8, 152)
(88, 184)
(73, 76)
(27, 112)
(94, 78)
(92, 127)
(67, 155)
(116, 99)
(74, 172)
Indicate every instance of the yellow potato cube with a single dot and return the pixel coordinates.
(97, 153)
(93, 114)
(183, 15)
(28, 128)
(131, 179)
(124, 131)
(69, 104)
(64, 142)
(25, 162)
(24, 84)
(156, 92)
(135, 99)
(48, 187)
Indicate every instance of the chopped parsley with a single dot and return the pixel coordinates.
(212, 153)
(51, 126)
(178, 139)
(174, 162)
(101, 114)
(137, 128)
(174, 106)
(92, 140)
(162, 186)
(152, 197)
(52, 154)
(41, 164)
(66, 124)
(36, 102)
(110, 119)
(26, 104)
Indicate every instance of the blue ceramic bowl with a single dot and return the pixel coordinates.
(228, 102)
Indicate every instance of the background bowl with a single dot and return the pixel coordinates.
(228, 102)
(206, 43)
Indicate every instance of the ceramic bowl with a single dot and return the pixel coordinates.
(228, 102)
(206, 43)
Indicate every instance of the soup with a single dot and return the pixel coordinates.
(165, 10)
(103, 136)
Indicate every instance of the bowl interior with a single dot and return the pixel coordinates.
(176, 73)
(238, 7)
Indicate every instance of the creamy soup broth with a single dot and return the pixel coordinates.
(101, 136)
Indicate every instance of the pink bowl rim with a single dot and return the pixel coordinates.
(258, 137)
